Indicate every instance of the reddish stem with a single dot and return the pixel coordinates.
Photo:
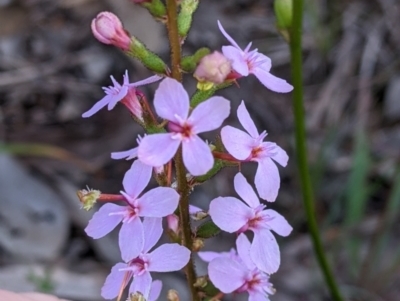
(225, 157)
(111, 198)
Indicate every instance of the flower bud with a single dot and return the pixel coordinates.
(188, 7)
(108, 29)
(173, 223)
(213, 68)
(284, 13)
(172, 295)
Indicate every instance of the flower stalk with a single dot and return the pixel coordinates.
(301, 148)
(183, 187)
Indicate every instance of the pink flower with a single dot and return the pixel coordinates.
(108, 29)
(239, 274)
(232, 215)
(214, 67)
(250, 147)
(125, 94)
(166, 258)
(246, 62)
(172, 103)
(158, 202)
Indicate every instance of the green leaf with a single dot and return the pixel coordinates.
(207, 230)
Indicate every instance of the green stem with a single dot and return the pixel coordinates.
(183, 186)
(173, 36)
(301, 147)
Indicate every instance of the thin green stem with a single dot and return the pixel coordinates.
(183, 185)
(301, 147)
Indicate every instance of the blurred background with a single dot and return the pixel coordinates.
(52, 70)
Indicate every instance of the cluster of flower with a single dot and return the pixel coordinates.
(246, 269)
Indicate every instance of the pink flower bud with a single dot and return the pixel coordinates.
(108, 29)
(214, 67)
(173, 223)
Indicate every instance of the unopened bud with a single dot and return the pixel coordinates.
(173, 223)
(88, 197)
(188, 7)
(284, 13)
(108, 29)
(172, 295)
(213, 68)
(197, 245)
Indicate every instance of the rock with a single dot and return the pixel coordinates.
(61, 282)
(140, 24)
(391, 104)
(107, 247)
(33, 220)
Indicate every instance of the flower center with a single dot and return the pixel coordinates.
(185, 130)
(140, 263)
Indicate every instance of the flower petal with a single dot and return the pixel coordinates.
(131, 239)
(226, 274)
(243, 248)
(117, 98)
(272, 82)
(157, 149)
(210, 114)
(264, 251)
(237, 142)
(257, 296)
(278, 223)
(114, 280)
(261, 61)
(208, 256)
(168, 258)
(194, 209)
(141, 284)
(146, 81)
(103, 221)
(158, 202)
(197, 156)
(97, 106)
(227, 36)
(171, 100)
(229, 214)
(155, 290)
(280, 156)
(238, 61)
(267, 180)
(246, 121)
(152, 229)
(137, 178)
(245, 191)
(128, 154)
